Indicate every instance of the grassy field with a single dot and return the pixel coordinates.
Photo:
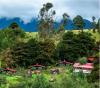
(95, 35)
(63, 80)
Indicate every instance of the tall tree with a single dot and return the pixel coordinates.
(46, 21)
(94, 24)
(61, 29)
(79, 22)
(65, 18)
(98, 26)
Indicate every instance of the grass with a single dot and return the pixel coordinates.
(35, 34)
(63, 80)
(95, 35)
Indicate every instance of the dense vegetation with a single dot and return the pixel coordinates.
(74, 46)
(20, 50)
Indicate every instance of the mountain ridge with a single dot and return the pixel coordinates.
(32, 26)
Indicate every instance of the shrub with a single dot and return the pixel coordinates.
(2, 81)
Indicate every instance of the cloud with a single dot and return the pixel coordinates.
(26, 9)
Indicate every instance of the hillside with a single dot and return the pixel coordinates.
(95, 35)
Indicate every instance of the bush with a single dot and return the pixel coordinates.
(2, 81)
(39, 82)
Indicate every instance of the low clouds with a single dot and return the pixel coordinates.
(26, 9)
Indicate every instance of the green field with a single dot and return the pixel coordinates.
(96, 35)
(65, 78)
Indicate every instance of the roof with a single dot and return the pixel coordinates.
(37, 65)
(65, 62)
(9, 69)
(91, 58)
(84, 66)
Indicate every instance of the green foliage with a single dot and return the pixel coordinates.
(9, 37)
(61, 30)
(24, 54)
(65, 18)
(74, 46)
(3, 80)
(94, 24)
(41, 82)
(46, 52)
(79, 22)
(13, 25)
(83, 60)
(46, 20)
(32, 52)
(94, 76)
(98, 25)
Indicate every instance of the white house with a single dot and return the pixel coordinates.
(85, 68)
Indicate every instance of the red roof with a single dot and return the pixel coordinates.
(66, 62)
(85, 66)
(37, 65)
(9, 69)
(91, 58)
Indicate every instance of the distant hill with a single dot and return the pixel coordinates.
(32, 26)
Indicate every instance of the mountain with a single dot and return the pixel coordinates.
(32, 26)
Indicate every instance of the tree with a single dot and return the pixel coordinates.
(32, 52)
(46, 52)
(46, 20)
(24, 54)
(94, 24)
(79, 22)
(74, 46)
(98, 26)
(65, 18)
(9, 37)
(14, 25)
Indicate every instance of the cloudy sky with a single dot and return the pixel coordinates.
(26, 9)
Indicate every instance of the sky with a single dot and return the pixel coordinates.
(26, 9)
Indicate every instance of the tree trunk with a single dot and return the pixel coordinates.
(94, 30)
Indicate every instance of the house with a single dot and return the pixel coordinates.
(85, 68)
(65, 63)
(91, 59)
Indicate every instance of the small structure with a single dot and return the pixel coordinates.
(29, 73)
(65, 63)
(36, 69)
(91, 59)
(9, 70)
(85, 68)
(54, 71)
